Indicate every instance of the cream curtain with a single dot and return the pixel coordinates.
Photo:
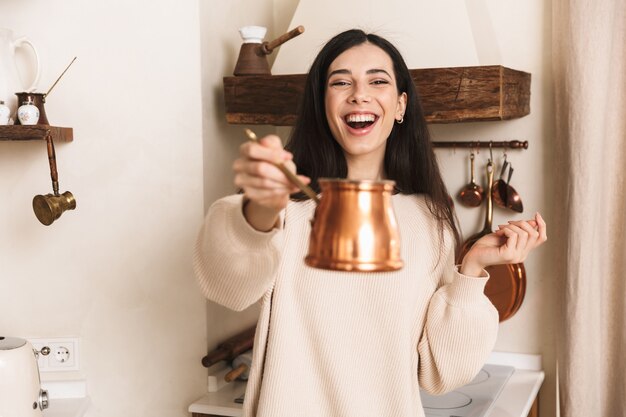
(589, 64)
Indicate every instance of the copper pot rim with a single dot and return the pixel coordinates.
(358, 184)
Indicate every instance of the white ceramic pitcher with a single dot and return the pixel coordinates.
(10, 80)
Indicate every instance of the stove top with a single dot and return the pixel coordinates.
(472, 400)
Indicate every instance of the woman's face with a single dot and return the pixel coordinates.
(362, 101)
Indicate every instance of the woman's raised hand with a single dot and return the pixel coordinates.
(265, 187)
(511, 243)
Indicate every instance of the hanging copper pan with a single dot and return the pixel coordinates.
(507, 283)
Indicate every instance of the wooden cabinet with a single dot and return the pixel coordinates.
(534, 409)
(204, 415)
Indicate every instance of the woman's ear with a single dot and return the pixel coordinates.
(401, 108)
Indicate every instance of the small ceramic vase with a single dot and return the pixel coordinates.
(5, 113)
(28, 113)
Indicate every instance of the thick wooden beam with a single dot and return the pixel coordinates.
(448, 95)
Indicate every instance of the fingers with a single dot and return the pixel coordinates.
(255, 165)
(264, 174)
(522, 236)
(268, 148)
(257, 173)
(541, 228)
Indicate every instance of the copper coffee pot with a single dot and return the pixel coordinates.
(49, 207)
(354, 227)
(253, 53)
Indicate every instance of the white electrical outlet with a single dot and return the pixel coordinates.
(63, 356)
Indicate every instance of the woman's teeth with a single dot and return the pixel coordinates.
(359, 121)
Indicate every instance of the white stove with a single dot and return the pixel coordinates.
(472, 400)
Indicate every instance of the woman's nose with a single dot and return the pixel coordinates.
(359, 95)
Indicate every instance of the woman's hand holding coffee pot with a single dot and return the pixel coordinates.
(265, 187)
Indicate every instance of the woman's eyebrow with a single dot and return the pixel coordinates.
(339, 71)
(370, 71)
(377, 70)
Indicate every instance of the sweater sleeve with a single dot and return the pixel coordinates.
(459, 333)
(234, 263)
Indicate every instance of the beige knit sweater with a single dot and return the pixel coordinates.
(346, 344)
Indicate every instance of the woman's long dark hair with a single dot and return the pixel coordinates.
(409, 157)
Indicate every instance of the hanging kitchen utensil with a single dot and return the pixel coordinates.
(498, 190)
(472, 194)
(39, 99)
(354, 227)
(49, 207)
(252, 58)
(513, 199)
(488, 220)
(506, 286)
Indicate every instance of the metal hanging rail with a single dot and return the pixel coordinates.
(507, 144)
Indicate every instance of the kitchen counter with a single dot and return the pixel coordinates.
(515, 400)
(220, 403)
(518, 394)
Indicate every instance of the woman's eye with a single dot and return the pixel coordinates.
(339, 83)
(380, 82)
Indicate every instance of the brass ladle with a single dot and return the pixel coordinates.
(49, 207)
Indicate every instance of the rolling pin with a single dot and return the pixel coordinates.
(241, 367)
(231, 348)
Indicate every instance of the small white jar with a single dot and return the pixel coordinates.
(5, 113)
(252, 34)
(28, 113)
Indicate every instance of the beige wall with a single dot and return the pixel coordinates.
(115, 272)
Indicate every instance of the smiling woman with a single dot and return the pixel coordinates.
(362, 103)
(334, 343)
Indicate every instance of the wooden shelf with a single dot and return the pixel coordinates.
(36, 132)
(449, 95)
